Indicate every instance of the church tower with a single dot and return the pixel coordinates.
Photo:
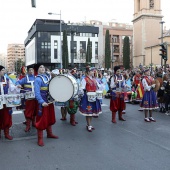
(146, 28)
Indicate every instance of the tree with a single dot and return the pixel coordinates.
(126, 53)
(65, 50)
(107, 50)
(89, 52)
(18, 64)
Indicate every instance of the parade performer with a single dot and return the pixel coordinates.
(117, 95)
(73, 104)
(149, 101)
(166, 88)
(89, 108)
(46, 114)
(5, 112)
(21, 76)
(138, 85)
(31, 104)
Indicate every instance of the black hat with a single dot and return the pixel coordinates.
(36, 67)
(116, 68)
(31, 66)
(1, 67)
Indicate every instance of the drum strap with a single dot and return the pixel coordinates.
(2, 83)
(48, 79)
(32, 83)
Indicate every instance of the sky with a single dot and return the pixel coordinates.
(17, 16)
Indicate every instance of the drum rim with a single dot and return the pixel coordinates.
(64, 75)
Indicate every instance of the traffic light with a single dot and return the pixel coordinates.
(33, 3)
(163, 51)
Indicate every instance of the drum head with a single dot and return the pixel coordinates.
(61, 88)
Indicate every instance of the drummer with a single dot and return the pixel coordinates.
(87, 108)
(5, 112)
(46, 114)
(31, 105)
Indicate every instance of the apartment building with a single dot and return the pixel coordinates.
(14, 52)
(3, 60)
(117, 32)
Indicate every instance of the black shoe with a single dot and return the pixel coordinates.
(160, 110)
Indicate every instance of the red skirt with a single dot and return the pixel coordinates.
(47, 118)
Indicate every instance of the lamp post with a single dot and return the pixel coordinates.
(50, 13)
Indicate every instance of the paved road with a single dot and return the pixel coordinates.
(130, 145)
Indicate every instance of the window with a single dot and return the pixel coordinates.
(55, 49)
(96, 50)
(74, 49)
(82, 49)
(151, 4)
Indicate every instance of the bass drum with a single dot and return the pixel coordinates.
(63, 87)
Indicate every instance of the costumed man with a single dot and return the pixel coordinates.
(31, 104)
(166, 87)
(21, 76)
(89, 105)
(5, 112)
(73, 104)
(62, 104)
(46, 114)
(149, 101)
(117, 95)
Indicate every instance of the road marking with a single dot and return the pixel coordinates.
(104, 105)
(17, 112)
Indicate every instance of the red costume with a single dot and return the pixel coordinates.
(117, 95)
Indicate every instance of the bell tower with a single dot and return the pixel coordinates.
(146, 28)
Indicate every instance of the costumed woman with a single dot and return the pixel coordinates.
(117, 95)
(89, 107)
(149, 101)
(46, 114)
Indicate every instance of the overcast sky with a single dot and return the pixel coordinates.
(17, 16)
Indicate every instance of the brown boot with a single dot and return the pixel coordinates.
(40, 137)
(120, 116)
(28, 122)
(63, 114)
(72, 120)
(114, 117)
(50, 134)
(6, 133)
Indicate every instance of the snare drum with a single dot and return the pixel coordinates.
(1, 102)
(13, 100)
(91, 96)
(99, 94)
(29, 95)
(63, 87)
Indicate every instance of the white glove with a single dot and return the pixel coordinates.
(162, 88)
(153, 85)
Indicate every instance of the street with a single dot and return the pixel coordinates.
(130, 145)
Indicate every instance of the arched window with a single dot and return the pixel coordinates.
(151, 4)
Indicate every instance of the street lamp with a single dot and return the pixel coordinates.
(50, 13)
